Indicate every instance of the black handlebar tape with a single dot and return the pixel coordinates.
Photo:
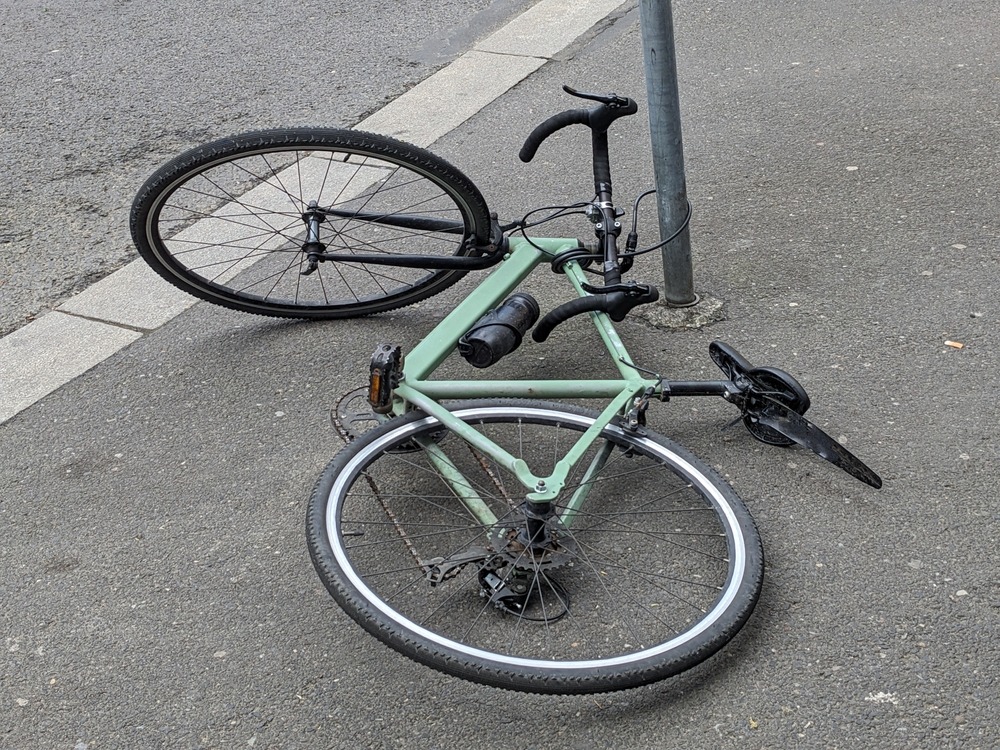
(566, 311)
(550, 126)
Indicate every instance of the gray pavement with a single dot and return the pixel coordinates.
(95, 95)
(157, 591)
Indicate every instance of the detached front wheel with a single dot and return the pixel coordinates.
(233, 222)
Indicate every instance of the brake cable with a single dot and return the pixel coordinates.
(633, 237)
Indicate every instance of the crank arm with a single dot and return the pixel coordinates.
(805, 433)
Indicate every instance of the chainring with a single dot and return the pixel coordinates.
(759, 385)
(771, 384)
(352, 415)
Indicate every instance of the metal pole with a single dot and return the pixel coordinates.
(657, 25)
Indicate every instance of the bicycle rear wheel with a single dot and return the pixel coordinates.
(226, 222)
(653, 572)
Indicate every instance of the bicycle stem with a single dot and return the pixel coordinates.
(598, 119)
(608, 228)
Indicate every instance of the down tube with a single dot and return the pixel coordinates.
(435, 347)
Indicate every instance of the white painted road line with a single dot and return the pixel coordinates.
(451, 96)
(133, 296)
(547, 28)
(49, 352)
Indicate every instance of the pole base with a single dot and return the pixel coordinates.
(676, 305)
(704, 311)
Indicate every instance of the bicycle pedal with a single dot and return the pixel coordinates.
(386, 368)
(733, 364)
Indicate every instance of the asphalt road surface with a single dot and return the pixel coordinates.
(156, 587)
(95, 94)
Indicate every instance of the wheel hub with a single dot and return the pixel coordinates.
(549, 548)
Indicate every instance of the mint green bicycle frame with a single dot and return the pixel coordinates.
(416, 389)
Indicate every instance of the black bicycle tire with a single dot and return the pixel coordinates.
(557, 679)
(155, 192)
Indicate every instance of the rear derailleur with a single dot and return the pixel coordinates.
(515, 569)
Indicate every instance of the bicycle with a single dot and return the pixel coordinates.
(480, 527)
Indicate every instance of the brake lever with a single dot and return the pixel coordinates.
(612, 100)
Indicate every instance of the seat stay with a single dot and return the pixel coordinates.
(569, 511)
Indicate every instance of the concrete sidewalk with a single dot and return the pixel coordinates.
(158, 592)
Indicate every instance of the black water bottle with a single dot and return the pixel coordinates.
(500, 331)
